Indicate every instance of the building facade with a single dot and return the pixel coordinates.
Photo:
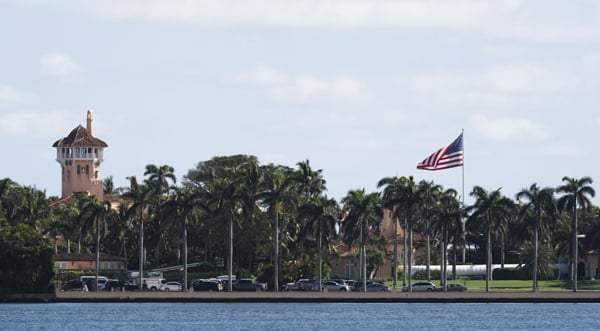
(80, 155)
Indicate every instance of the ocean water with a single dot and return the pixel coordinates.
(300, 316)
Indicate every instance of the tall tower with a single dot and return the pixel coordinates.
(80, 155)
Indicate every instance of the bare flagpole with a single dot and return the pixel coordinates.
(463, 221)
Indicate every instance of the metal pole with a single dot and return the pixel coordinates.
(395, 270)
(574, 263)
(230, 252)
(141, 275)
(97, 251)
(276, 252)
(320, 282)
(185, 257)
(464, 254)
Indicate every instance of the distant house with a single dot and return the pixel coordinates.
(344, 261)
(87, 262)
(589, 268)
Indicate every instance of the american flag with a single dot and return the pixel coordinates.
(446, 157)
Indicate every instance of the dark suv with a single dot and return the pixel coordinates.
(72, 285)
(119, 285)
(206, 285)
(248, 284)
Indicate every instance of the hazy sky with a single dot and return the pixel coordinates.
(364, 89)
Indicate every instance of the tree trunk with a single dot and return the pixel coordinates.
(320, 268)
(395, 267)
(140, 285)
(535, 258)
(488, 258)
(97, 252)
(428, 258)
(185, 257)
(276, 252)
(404, 253)
(410, 256)
(230, 252)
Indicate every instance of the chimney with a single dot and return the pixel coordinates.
(90, 126)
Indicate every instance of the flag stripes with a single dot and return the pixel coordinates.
(446, 157)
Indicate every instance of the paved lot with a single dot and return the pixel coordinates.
(564, 296)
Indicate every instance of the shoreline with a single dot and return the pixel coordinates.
(310, 297)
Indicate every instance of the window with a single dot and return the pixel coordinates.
(78, 169)
(349, 270)
(61, 265)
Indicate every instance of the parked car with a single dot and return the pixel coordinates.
(90, 281)
(311, 285)
(289, 287)
(357, 285)
(248, 284)
(331, 285)
(377, 287)
(207, 285)
(171, 286)
(300, 285)
(72, 285)
(420, 287)
(120, 285)
(456, 288)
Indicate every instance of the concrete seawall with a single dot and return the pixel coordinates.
(342, 297)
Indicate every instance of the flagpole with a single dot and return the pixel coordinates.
(463, 201)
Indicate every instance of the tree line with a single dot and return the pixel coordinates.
(276, 223)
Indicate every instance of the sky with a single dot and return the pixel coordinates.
(363, 89)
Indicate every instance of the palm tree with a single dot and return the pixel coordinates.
(577, 192)
(364, 216)
(229, 185)
(122, 228)
(34, 209)
(447, 223)
(95, 210)
(408, 204)
(429, 194)
(140, 195)
(108, 186)
(158, 179)
(491, 210)
(544, 256)
(390, 201)
(6, 185)
(541, 203)
(183, 205)
(279, 193)
(311, 182)
(322, 214)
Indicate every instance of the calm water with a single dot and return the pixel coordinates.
(298, 316)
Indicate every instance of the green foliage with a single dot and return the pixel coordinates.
(26, 260)
(422, 275)
(257, 197)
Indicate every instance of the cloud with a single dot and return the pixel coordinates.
(508, 128)
(537, 20)
(528, 78)
(10, 96)
(306, 87)
(28, 123)
(560, 149)
(281, 86)
(261, 74)
(60, 65)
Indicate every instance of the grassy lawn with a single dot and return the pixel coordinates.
(520, 285)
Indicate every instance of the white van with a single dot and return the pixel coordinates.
(92, 280)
